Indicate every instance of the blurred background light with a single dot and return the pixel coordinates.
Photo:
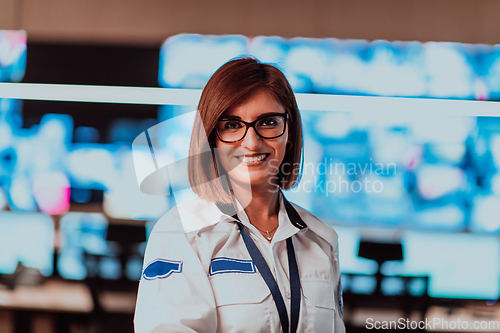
(12, 55)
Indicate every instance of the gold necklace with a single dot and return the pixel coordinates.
(269, 238)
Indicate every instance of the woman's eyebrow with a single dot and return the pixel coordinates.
(270, 114)
(260, 116)
(232, 117)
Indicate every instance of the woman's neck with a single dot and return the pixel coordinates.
(261, 204)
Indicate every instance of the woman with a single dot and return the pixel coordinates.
(239, 257)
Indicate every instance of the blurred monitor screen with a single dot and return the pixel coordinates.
(26, 238)
(82, 233)
(86, 251)
(458, 265)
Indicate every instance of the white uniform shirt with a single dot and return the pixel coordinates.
(199, 277)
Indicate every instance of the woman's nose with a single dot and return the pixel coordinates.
(251, 139)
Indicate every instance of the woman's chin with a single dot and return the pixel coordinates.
(253, 182)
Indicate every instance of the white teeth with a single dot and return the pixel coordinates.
(252, 159)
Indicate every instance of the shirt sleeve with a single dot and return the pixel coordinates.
(174, 294)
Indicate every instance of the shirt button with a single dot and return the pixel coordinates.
(287, 295)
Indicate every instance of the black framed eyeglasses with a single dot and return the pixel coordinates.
(269, 126)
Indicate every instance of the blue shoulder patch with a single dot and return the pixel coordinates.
(161, 268)
(231, 265)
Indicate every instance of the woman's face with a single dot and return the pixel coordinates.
(253, 160)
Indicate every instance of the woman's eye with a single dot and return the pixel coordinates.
(269, 122)
(232, 125)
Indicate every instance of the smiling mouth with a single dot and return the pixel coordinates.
(255, 158)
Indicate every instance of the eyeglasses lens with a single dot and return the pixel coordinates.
(234, 130)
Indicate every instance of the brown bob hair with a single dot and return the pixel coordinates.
(228, 86)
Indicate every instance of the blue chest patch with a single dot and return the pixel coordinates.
(161, 268)
(229, 265)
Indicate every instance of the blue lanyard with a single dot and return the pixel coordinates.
(266, 274)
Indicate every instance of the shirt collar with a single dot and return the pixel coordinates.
(208, 214)
(197, 213)
(286, 226)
